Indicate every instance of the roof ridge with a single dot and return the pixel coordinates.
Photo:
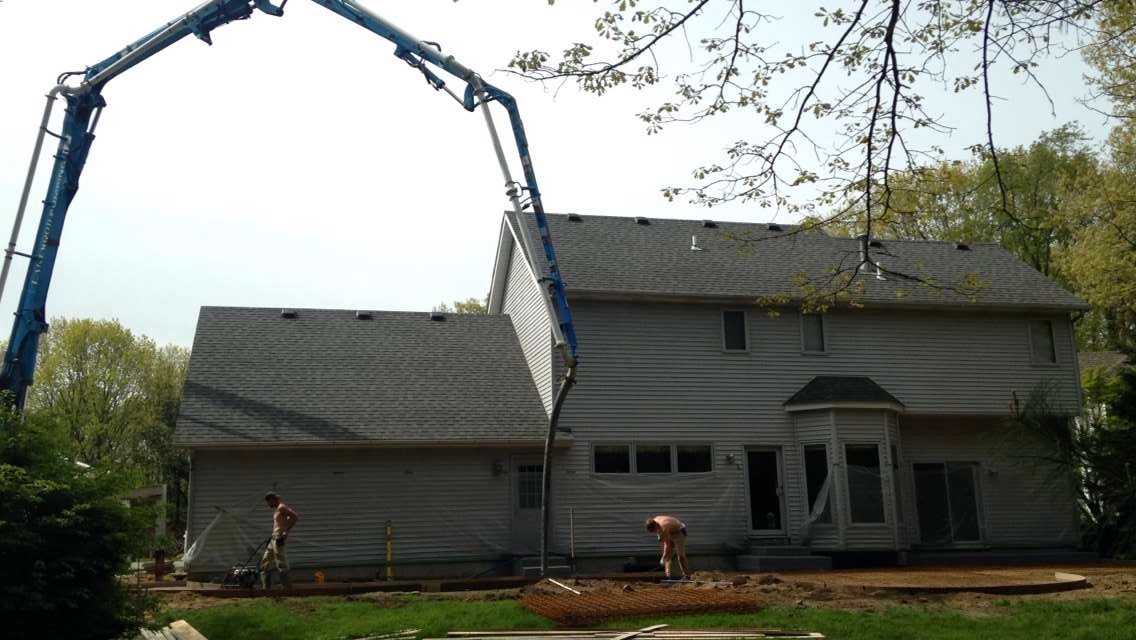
(661, 219)
(919, 241)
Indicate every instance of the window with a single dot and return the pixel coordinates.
(812, 332)
(529, 485)
(865, 488)
(652, 458)
(816, 475)
(695, 459)
(1042, 343)
(734, 331)
(612, 458)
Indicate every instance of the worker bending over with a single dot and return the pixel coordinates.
(672, 533)
(283, 519)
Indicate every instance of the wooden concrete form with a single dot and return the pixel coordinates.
(214, 590)
(655, 632)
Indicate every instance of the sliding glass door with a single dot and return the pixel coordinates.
(947, 494)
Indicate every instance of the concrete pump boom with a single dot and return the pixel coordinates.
(85, 103)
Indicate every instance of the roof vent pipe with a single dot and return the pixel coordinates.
(694, 244)
(864, 260)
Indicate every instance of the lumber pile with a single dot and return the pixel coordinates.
(177, 630)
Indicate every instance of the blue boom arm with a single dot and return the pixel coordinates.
(84, 103)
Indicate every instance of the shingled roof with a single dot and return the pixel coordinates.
(326, 377)
(618, 256)
(829, 390)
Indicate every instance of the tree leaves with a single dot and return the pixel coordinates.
(113, 393)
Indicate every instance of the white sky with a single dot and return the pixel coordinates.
(297, 163)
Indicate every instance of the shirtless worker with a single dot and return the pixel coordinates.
(672, 533)
(283, 519)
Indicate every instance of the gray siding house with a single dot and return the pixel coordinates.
(878, 427)
(359, 420)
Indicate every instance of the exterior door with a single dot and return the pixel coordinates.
(527, 480)
(947, 499)
(766, 508)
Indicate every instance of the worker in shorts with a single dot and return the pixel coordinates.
(275, 557)
(672, 534)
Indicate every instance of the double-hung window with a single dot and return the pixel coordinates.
(812, 333)
(1042, 344)
(818, 484)
(734, 333)
(865, 483)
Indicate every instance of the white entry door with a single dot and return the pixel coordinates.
(527, 479)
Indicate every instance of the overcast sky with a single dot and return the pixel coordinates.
(297, 163)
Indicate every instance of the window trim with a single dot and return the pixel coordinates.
(1052, 343)
(713, 465)
(823, 333)
(722, 328)
(848, 486)
(630, 459)
(652, 443)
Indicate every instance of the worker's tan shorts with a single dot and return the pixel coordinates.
(275, 557)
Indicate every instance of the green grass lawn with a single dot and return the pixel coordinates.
(338, 619)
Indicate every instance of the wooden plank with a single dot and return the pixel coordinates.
(632, 634)
(563, 586)
(182, 630)
(397, 635)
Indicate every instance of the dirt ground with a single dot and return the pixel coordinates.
(863, 589)
(857, 590)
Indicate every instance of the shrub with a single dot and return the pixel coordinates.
(65, 536)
